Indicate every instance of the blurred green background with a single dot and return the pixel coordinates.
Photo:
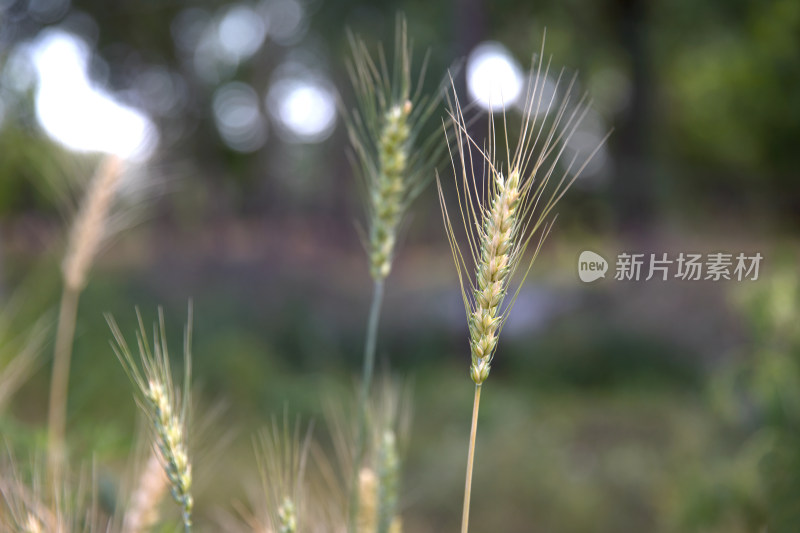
(659, 406)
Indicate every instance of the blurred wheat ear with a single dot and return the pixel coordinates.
(503, 206)
(378, 480)
(282, 456)
(164, 406)
(394, 158)
(89, 230)
(395, 154)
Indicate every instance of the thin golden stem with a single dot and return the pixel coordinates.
(59, 382)
(470, 460)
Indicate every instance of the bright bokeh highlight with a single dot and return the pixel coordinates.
(494, 78)
(77, 114)
(305, 109)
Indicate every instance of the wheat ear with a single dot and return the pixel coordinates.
(282, 456)
(502, 210)
(165, 410)
(86, 236)
(394, 158)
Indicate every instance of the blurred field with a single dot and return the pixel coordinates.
(600, 413)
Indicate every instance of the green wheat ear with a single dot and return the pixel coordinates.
(502, 208)
(508, 203)
(394, 154)
(166, 410)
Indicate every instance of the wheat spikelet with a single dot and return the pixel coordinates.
(89, 228)
(142, 511)
(166, 411)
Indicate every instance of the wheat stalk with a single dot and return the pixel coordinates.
(394, 162)
(165, 410)
(502, 209)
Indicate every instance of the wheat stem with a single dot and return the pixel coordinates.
(366, 383)
(59, 382)
(371, 340)
(470, 458)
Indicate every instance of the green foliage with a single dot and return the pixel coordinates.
(756, 481)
